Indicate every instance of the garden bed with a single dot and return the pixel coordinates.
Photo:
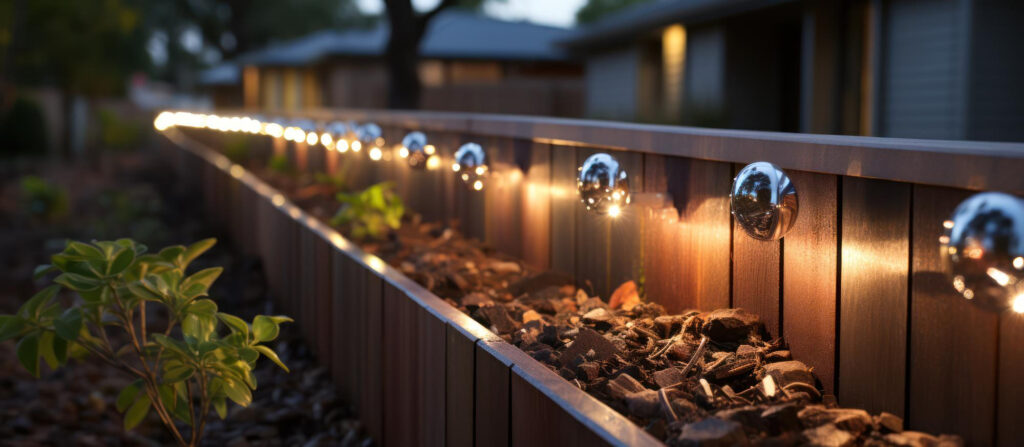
(689, 378)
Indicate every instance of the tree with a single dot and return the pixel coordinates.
(594, 10)
(403, 51)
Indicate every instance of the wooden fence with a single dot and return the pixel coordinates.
(855, 287)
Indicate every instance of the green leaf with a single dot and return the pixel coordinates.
(127, 395)
(180, 411)
(238, 392)
(42, 270)
(69, 324)
(203, 307)
(137, 412)
(167, 397)
(170, 254)
(198, 326)
(60, 350)
(236, 324)
(204, 277)
(281, 319)
(28, 353)
(221, 405)
(171, 344)
(270, 354)
(85, 250)
(46, 349)
(76, 282)
(264, 328)
(122, 261)
(195, 250)
(178, 374)
(249, 355)
(11, 326)
(31, 309)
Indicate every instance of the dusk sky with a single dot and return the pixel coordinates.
(547, 12)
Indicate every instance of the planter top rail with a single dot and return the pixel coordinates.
(974, 165)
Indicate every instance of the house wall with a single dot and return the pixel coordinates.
(997, 96)
(923, 69)
(612, 83)
(704, 90)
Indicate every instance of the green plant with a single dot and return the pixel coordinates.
(336, 181)
(280, 165)
(180, 374)
(43, 200)
(370, 213)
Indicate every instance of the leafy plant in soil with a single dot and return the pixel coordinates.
(180, 374)
(370, 213)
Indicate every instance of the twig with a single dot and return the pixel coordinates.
(665, 405)
(698, 354)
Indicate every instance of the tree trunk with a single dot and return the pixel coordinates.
(403, 51)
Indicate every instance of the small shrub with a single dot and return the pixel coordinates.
(179, 374)
(43, 200)
(370, 213)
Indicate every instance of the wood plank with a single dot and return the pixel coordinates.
(809, 271)
(322, 299)
(873, 299)
(756, 275)
(1010, 386)
(502, 212)
(952, 343)
(430, 377)
(459, 387)
(371, 387)
(687, 246)
(343, 336)
(536, 205)
(593, 238)
(536, 420)
(492, 398)
(564, 201)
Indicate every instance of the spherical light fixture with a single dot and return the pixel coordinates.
(471, 165)
(983, 250)
(603, 185)
(369, 137)
(413, 150)
(764, 201)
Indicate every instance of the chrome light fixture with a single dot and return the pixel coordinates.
(471, 165)
(368, 136)
(416, 150)
(764, 201)
(603, 185)
(983, 250)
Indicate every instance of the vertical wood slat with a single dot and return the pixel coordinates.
(592, 235)
(873, 299)
(1010, 385)
(491, 419)
(460, 380)
(810, 269)
(756, 275)
(563, 209)
(536, 206)
(687, 245)
(345, 286)
(371, 385)
(502, 221)
(322, 299)
(952, 343)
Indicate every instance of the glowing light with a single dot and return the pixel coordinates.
(275, 130)
(295, 213)
(433, 162)
(614, 211)
(312, 138)
(277, 200)
(943, 239)
(376, 153)
(480, 170)
(326, 140)
(1018, 304)
(341, 146)
(376, 263)
(947, 224)
(429, 149)
(958, 283)
(356, 146)
(163, 121)
(465, 177)
(403, 152)
(478, 185)
(1018, 263)
(768, 383)
(237, 171)
(456, 167)
(969, 294)
(998, 276)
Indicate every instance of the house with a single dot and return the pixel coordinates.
(897, 68)
(469, 63)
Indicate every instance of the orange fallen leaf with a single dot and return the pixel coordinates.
(625, 297)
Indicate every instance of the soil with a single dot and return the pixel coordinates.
(693, 378)
(133, 195)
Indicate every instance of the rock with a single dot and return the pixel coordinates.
(622, 385)
(539, 281)
(828, 435)
(503, 267)
(625, 297)
(497, 317)
(668, 323)
(590, 340)
(711, 432)
(643, 404)
(588, 371)
(530, 315)
(668, 377)
(852, 420)
(600, 318)
(888, 422)
(789, 372)
(781, 418)
(731, 325)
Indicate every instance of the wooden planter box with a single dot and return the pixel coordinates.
(855, 288)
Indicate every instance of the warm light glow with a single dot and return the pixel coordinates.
(456, 167)
(480, 170)
(312, 138)
(969, 294)
(163, 121)
(237, 171)
(947, 224)
(277, 200)
(433, 162)
(342, 146)
(999, 276)
(356, 146)
(1018, 263)
(429, 149)
(376, 153)
(768, 383)
(275, 130)
(376, 263)
(326, 140)
(1018, 304)
(403, 152)
(943, 239)
(614, 211)
(478, 185)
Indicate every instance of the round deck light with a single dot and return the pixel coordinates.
(603, 185)
(764, 201)
(471, 165)
(368, 136)
(983, 250)
(337, 131)
(413, 150)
